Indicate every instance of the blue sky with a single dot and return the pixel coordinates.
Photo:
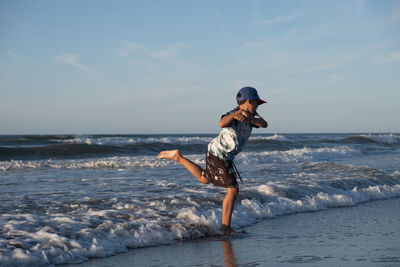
(175, 66)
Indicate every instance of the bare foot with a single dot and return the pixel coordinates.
(169, 154)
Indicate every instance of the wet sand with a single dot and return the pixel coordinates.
(364, 235)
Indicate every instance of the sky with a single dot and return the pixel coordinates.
(144, 67)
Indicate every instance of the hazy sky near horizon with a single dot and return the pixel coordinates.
(176, 66)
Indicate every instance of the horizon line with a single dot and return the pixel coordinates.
(187, 133)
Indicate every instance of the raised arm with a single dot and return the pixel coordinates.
(226, 120)
(260, 122)
(242, 115)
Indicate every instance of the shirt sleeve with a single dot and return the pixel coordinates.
(230, 112)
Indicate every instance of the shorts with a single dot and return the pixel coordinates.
(219, 172)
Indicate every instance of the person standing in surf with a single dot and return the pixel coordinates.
(220, 170)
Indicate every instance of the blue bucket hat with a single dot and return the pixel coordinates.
(249, 93)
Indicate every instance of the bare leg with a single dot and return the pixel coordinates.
(227, 205)
(192, 167)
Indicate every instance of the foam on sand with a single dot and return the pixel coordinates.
(69, 238)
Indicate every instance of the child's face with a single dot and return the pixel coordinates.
(250, 106)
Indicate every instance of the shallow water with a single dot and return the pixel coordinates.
(364, 235)
(65, 199)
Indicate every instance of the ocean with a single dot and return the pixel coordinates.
(69, 198)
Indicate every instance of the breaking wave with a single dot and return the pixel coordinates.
(70, 198)
(123, 162)
(69, 238)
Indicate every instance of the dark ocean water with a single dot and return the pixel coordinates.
(66, 198)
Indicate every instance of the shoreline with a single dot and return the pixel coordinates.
(363, 235)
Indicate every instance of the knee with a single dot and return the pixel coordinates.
(204, 180)
(232, 192)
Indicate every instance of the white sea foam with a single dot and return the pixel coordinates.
(111, 162)
(383, 138)
(292, 155)
(295, 155)
(276, 137)
(53, 216)
(320, 201)
(47, 239)
(122, 140)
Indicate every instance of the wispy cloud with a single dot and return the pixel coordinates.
(169, 54)
(391, 58)
(284, 18)
(143, 55)
(73, 60)
(129, 48)
(253, 44)
(14, 55)
(221, 23)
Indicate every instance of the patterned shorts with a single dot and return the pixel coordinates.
(219, 172)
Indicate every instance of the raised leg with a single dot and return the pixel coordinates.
(192, 167)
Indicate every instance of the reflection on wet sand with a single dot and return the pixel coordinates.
(229, 254)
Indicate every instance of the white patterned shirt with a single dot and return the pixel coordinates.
(232, 138)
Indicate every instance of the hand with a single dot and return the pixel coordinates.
(242, 115)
